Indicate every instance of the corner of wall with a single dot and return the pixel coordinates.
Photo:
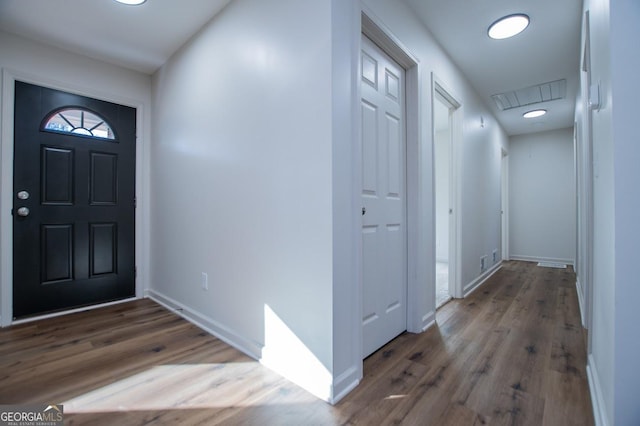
(428, 320)
(345, 383)
(597, 397)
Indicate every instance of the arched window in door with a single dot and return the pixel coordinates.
(78, 122)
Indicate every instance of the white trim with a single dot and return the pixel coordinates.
(588, 190)
(504, 189)
(249, 347)
(345, 383)
(416, 226)
(428, 320)
(583, 317)
(455, 220)
(380, 34)
(475, 284)
(6, 199)
(347, 280)
(597, 398)
(9, 76)
(541, 259)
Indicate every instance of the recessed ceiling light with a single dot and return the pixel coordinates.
(535, 113)
(131, 2)
(508, 26)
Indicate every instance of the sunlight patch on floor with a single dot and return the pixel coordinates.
(180, 386)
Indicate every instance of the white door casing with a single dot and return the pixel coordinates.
(440, 93)
(383, 198)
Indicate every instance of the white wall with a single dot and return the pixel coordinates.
(346, 202)
(250, 163)
(480, 153)
(601, 359)
(243, 184)
(36, 63)
(542, 196)
(625, 87)
(612, 366)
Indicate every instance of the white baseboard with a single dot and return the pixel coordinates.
(597, 399)
(475, 284)
(345, 383)
(541, 259)
(250, 348)
(428, 321)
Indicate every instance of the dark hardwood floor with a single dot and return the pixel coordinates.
(511, 353)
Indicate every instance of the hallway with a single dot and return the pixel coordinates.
(511, 353)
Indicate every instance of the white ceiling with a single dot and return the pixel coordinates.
(144, 37)
(138, 37)
(548, 50)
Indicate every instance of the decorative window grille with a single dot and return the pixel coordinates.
(78, 122)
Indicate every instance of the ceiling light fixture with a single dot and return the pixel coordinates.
(535, 113)
(132, 2)
(508, 26)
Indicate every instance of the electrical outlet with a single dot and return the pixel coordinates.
(483, 263)
(205, 281)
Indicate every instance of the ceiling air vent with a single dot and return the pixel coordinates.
(544, 92)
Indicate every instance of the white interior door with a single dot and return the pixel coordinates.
(383, 198)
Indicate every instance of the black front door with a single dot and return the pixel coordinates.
(74, 201)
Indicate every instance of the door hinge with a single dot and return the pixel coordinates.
(135, 272)
(135, 203)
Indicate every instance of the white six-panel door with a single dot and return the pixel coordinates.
(383, 198)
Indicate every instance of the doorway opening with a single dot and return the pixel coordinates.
(444, 136)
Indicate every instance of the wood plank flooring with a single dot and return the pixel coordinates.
(513, 353)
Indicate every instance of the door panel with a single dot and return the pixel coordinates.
(57, 253)
(57, 176)
(383, 198)
(103, 243)
(103, 179)
(74, 246)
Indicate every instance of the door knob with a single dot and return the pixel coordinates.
(23, 211)
(23, 195)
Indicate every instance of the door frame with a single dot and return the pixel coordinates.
(420, 313)
(439, 88)
(504, 177)
(9, 78)
(585, 178)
